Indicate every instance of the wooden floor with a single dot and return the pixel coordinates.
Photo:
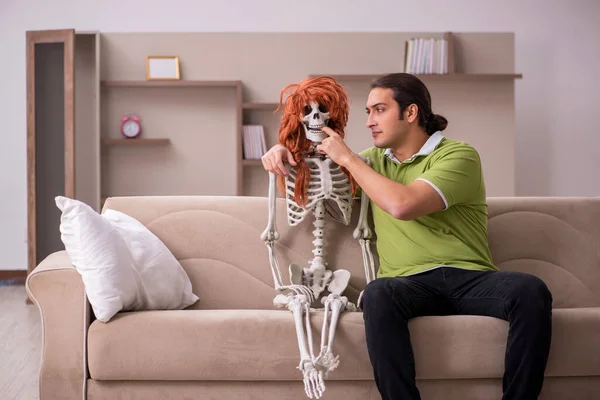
(20, 345)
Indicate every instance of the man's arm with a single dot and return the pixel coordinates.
(455, 178)
(404, 202)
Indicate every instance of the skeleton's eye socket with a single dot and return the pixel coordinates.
(323, 108)
(307, 110)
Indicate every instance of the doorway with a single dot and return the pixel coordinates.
(50, 137)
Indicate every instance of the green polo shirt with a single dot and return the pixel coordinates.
(456, 236)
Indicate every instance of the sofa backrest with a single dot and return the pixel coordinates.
(217, 241)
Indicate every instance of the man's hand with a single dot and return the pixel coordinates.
(274, 158)
(335, 147)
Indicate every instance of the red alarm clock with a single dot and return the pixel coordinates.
(130, 126)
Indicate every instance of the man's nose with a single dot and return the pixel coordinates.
(370, 122)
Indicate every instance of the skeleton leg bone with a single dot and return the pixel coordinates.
(313, 380)
(326, 361)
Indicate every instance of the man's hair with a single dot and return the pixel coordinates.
(408, 89)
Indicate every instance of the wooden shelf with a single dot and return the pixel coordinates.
(251, 162)
(135, 142)
(455, 76)
(171, 83)
(260, 106)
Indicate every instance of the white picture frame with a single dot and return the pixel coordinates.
(162, 68)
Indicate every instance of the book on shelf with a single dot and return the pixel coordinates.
(254, 142)
(426, 56)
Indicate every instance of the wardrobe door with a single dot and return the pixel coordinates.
(50, 137)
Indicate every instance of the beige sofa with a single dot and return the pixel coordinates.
(233, 344)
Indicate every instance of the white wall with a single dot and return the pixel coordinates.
(557, 50)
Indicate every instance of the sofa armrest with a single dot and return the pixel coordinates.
(57, 289)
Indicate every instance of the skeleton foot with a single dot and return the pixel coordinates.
(314, 385)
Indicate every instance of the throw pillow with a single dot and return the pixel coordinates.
(124, 266)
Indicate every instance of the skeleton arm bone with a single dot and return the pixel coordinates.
(363, 234)
(270, 234)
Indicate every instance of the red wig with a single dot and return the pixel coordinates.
(324, 91)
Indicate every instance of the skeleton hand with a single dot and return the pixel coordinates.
(326, 362)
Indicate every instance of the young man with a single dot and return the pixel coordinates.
(429, 210)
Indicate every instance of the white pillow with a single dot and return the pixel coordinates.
(124, 266)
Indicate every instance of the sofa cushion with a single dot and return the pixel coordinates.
(217, 241)
(262, 345)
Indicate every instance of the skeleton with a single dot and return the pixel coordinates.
(329, 192)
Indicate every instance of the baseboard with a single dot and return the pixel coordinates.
(12, 277)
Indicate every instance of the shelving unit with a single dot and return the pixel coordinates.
(425, 77)
(191, 140)
(477, 92)
(252, 163)
(135, 142)
(181, 83)
(157, 98)
(260, 106)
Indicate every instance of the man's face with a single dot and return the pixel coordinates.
(383, 119)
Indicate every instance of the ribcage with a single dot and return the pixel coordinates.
(327, 183)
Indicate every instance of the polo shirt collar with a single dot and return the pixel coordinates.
(429, 146)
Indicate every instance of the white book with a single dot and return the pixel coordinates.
(258, 132)
(417, 56)
(246, 142)
(408, 62)
(437, 56)
(255, 146)
(262, 141)
(431, 55)
(253, 142)
(444, 57)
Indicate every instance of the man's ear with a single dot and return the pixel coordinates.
(411, 113)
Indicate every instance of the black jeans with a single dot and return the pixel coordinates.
(521, 299)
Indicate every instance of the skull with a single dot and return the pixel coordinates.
(315, 117)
